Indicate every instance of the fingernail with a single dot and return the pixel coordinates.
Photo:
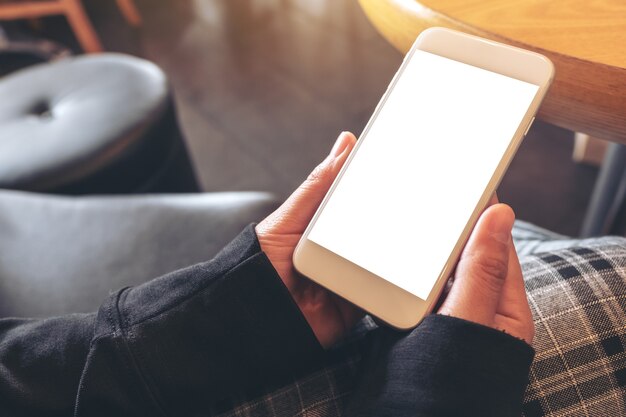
(340, 145)
(501, 226)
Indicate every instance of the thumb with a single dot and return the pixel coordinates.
(483, 268)
(298, 210)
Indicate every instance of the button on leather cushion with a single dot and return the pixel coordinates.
(67, 119)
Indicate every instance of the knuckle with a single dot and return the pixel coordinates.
(317, 174)
(491, 270)
(493, 267)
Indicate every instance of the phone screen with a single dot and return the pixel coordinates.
(420, 170)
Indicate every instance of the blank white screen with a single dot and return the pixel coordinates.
(421, 169)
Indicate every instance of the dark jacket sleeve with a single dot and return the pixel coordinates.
(445, 367)
(199, 340)
(189, 343)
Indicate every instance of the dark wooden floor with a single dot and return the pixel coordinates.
(264, 86)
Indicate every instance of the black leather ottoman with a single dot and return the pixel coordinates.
(93, 124)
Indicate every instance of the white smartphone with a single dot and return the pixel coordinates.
(391, 228)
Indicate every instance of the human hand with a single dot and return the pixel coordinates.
(329, 316)
(488, 285)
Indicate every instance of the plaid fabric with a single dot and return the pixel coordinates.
(577, 293)
(531, 239)
(320, 394)
(578, 299)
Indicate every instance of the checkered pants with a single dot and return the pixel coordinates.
(577, 293)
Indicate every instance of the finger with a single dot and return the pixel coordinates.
(513, 305)
(483, 268)
(444, 294)
(310, 194)
(296, 212)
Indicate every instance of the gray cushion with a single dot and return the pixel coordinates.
(93, 124)
(65, 254)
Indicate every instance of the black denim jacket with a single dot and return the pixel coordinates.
(194, 341)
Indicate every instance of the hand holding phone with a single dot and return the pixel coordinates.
(488, 286)
(481, 267)
(329, 316)
(395, 221)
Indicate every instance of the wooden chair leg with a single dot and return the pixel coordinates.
(130, 12)
(82, 27)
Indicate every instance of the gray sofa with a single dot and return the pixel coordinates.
(65, 254)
